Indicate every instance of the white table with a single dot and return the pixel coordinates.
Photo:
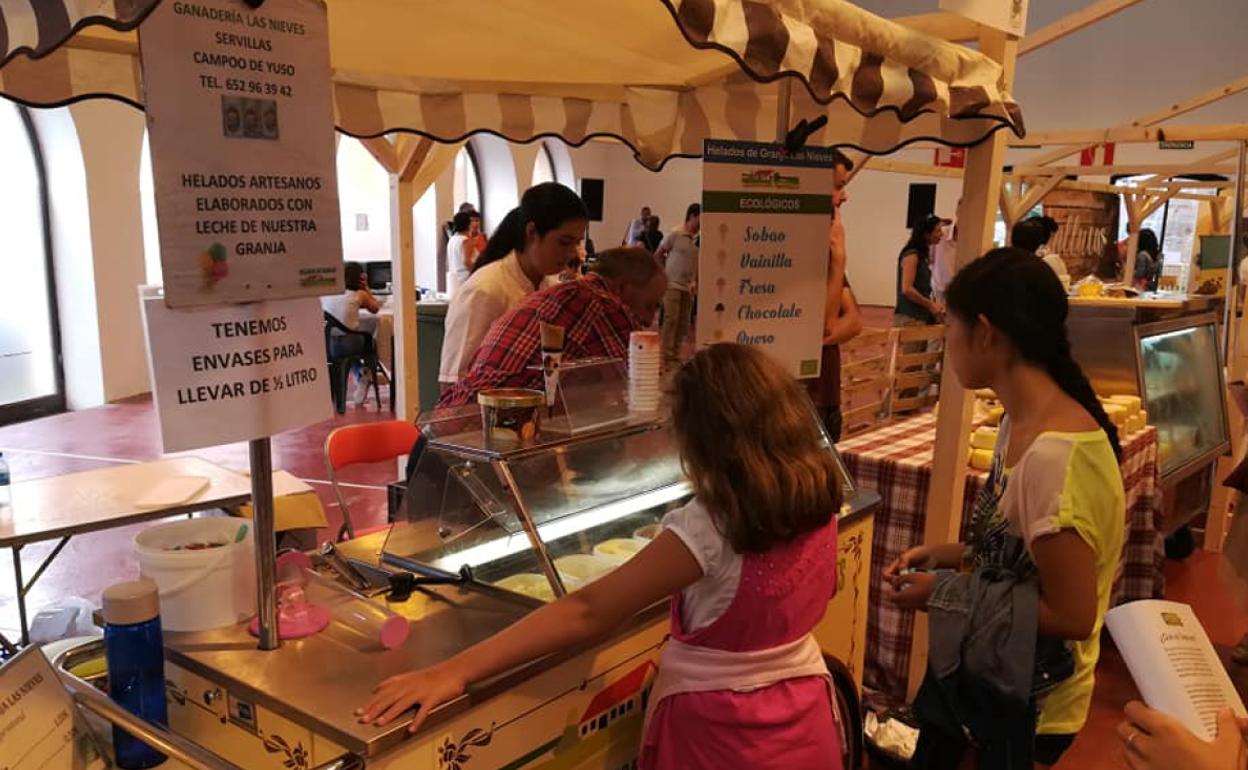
(59, 507)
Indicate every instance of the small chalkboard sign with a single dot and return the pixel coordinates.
(40, 728)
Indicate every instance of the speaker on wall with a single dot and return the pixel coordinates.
(591, 193)
(921, 203)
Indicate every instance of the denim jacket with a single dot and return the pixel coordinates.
(987, 663)
(985, 623)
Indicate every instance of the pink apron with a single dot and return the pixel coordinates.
(750, 690)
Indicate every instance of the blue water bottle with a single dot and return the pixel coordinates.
(136, 665)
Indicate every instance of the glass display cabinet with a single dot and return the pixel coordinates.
(541, 519)
(1167, 351)
(1181, 384)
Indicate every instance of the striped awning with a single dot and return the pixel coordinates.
(617, 68)
(35, 27)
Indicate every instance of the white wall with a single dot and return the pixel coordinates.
(629, 186)
(72, 258)
(363, 193)
(875, 229)
(92, 152)
(875, 217)
(111, 136)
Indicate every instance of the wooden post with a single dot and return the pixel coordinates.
(403, 261)
(1133, 202)
(418, 163)
(980, 192)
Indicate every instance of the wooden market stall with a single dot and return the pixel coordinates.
(727, 70)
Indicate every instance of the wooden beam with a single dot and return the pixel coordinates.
(859, 165)
(1152, 119)
(1036, 192)
(382, 150)
(1155, 203)
(105, 40)
(918, 169)
(1159, 169)
(1120, 189)
(1008, 202)
(943, 512)
(411, 152)
(1230, 132)
(1072, 23)
(942, 24)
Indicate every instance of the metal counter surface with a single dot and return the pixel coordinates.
(318, 682)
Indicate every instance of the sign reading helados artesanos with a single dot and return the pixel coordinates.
(240, 119)
(763, 262)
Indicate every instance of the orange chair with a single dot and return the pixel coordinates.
(372, 442)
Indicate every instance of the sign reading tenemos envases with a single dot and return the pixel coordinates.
(236, 372)
(240, 120)
(763, 263)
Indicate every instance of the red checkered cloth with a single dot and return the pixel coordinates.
(596, 323)
(896, 461)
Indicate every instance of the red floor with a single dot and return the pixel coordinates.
(127, 432)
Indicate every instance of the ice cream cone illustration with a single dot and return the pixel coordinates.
(212, 265)
(720, 283)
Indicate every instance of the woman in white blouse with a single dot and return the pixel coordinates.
(532, 244)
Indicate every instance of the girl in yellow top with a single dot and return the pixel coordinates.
(1056, 489)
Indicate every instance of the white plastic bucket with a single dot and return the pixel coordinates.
(200, 589)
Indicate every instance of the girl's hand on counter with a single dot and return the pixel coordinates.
(425, 689)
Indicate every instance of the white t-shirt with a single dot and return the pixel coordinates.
(487, 294)
(457, 256)
(706, 600)
(944, 259)
(681, 263)
(345, 307)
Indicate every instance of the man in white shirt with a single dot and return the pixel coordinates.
(635, 228)
(945, 262)
(678, 253)
(460, 252)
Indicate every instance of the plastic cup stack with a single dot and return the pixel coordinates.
(645, 362)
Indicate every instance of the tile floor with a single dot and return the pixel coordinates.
(127, 432)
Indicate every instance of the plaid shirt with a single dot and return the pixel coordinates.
(596, 323)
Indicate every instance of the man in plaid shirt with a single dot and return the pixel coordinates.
(598, 313)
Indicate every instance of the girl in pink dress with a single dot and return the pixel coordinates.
(750, 565)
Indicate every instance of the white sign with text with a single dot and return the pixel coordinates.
(240, 119)
(38, 725)
(237, 372)
(1009, 16)
(763, 263)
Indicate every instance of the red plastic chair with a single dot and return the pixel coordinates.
(372, 442)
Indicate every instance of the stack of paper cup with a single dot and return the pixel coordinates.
(645, 362)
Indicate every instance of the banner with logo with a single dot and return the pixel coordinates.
(763, 263)
(240, 120)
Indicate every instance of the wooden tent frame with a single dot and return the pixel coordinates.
(943, 519)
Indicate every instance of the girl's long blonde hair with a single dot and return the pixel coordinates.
(752, 449)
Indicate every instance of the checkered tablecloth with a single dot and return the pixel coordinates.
(896, 461)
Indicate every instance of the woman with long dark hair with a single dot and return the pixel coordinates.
(1147, 261)
(915, 303)
(1053, 508)
(532, 244)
